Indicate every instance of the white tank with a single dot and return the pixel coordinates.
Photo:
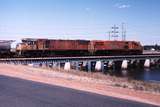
(5, 45)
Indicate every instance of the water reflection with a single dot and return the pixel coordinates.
(146, 74)
(146, 69)
(138, 73)
(124, 73)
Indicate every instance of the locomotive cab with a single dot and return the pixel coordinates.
(27, 44)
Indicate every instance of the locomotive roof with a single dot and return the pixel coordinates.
(112, 41)
(29, 39)
(35, 39)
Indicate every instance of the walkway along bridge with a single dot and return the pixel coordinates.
(88, 62)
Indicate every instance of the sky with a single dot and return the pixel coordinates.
(80, 19)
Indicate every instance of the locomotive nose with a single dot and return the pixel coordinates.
(14, 45)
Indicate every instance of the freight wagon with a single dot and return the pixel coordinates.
(52, 47)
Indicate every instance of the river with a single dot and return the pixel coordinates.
(145, 74)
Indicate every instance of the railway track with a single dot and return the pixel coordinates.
(84, 58)
(86, 61)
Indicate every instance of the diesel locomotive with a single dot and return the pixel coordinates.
(30, 47)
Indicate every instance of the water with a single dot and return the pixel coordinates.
(145, 74)
(138, 73)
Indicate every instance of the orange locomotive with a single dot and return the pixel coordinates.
(53, 47)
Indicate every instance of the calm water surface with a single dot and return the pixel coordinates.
(146, 74)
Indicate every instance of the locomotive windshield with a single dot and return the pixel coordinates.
(29, 41)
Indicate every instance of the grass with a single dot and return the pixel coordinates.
(115, 81)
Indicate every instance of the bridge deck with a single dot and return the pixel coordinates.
(127, 57)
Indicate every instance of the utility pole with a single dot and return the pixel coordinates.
(115, 32)
(123, 32)
(109, 34)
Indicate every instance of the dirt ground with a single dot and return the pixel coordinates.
(78, 82)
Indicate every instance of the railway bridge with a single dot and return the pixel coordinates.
(89, 63)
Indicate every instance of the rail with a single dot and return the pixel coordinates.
(127, 57)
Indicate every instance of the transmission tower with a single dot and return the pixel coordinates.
(115, 32)
(123, 32)
(109, 35)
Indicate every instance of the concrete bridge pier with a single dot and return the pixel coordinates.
(147, 63)
(57, 65)
(124, 64)
(43, 64)
(67, 66)
(114, 66)
(89, 65)
(80, 65)
(54, 65)
(154, 62)
(98, 66)
(131, 63)
(84, 65)
(157, 62)
(110, 64)
(50, 64)
(75, 65)
(136, 63)
(102, 66)
(105, 66)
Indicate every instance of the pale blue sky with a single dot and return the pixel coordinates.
(79, 19)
